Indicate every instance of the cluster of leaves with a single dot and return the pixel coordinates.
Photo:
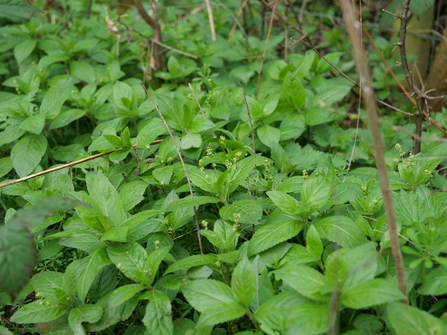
(293, 239)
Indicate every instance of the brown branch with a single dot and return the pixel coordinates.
(353, 27)
(157, 54)
(265, 46)
(57, 168)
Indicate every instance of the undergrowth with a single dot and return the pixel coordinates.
(261, 214)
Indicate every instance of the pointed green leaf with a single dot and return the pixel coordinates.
(313, 242)
(243, 282)
(435, 282)
(150, 132)
(405, 320)
(124, 293)
(285, 202)
(221, 312)
(84, 313)
(34, 124)
(342, 230)
(191, 261)
(271, 234)
(242, 211)
(27, 153)
(129, 258)
(203, 294)
(55, 98)
(305, 280)
(106, 196)
(24, 49)
(83, 71)
(191, 202)
(158, 317)
(39, 311)
(372, 292)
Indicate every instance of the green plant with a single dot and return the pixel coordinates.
(282, 191)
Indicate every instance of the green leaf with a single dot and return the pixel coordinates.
(46, 61)
(191, 261)
(16, 10)
(18, 255)
(435, 282)
(39, 311)
(172, 111)
(369, 293)
(34, 124)
(118, 234)
(190, 140)
(243, 282)
(190, 202)
(107, 199)
(318, 188)
(27, 153)
(114, 140)
(242, 211)
(221, 312)
(269, 135)
(129, 258)
(204, 180)
(293, 90)
(273, 233)
(285, 202)
(24, 49)
(306, 281)
(104, 282)
(313, 242)
(163, 174)
(342, 230)
(5, 165)
(158, 317)
(88, 269)
(5, 331)
(84, 313)
(305, 64)
(132, 193)
(309, 319)
(51, 285)
(124, 293)
(404, 320)
(55, 98)
(150, 132)
(278, 309)
(83, 71)
(243, 170)
(153, 261)
(203, 294)
(419, 8)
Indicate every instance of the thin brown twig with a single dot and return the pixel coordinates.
(199, 237)
(238, 15)
(266, 45)
(211, 19)
(68, 165)
(402, 87)
(249, 118)
(353, 26)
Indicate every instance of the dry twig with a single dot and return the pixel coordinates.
(353, 26)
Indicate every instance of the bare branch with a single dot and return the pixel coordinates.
(353, 27)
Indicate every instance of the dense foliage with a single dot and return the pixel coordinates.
(271, 219)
